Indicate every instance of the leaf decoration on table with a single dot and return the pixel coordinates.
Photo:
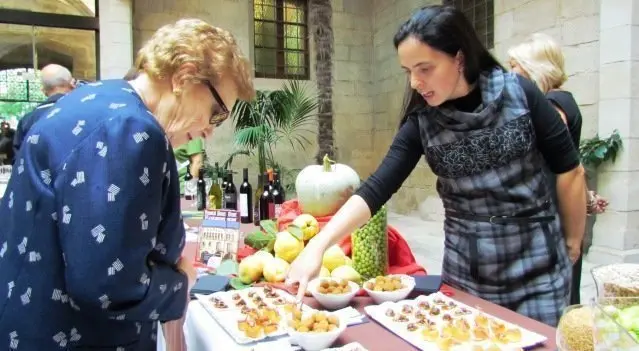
(237, 284)
(260, 240)
(227, 267)
(295, 231)
(269, 226)
(263, 239)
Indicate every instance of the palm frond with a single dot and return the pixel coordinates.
(229, 160)
(251, 137)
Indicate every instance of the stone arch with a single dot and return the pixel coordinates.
(67, 7)
(73, 49)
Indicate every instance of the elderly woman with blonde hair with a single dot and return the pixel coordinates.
(541, 60)
(92, 236)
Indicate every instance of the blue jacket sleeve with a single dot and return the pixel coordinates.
(112, 195)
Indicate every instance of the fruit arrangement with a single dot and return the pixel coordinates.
(278, 249)
(370, 246)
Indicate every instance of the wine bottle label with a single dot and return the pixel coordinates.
(271, 210)
(278, 210)
(200, 202)
(230, 201)
(244, 211)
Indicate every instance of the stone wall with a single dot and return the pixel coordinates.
(575, 25)
(352, 82)
(418, 191)
(617, 231)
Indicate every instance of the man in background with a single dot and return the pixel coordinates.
(56, 82)
(6, 139)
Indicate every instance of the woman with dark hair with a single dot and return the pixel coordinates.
(488, 135)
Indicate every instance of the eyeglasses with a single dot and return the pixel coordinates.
(218, 117)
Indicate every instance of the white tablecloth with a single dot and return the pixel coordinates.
(203, 333)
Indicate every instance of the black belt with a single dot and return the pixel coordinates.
(527, 216)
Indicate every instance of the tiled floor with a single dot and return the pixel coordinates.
(426, 239)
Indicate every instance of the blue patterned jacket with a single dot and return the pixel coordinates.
(90, 228)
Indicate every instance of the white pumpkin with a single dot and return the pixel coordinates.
(323, 189)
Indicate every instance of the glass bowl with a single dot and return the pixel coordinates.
(617, 280)
(616, 323)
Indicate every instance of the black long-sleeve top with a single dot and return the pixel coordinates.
(553, 141)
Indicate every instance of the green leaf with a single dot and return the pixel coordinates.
(258, 239)
(600, 152)
(237, 284)
(269, 226)
(270, 247)
(295, 231)
(227, 267)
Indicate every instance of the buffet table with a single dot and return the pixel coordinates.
(203, 333)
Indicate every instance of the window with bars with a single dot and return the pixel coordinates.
(481, 15)
(281, 39)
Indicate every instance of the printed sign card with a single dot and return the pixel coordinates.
(219, 237)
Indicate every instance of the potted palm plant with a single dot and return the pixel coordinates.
(284, 115)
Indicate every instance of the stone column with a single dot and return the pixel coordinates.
(616, 233)
(116, 38)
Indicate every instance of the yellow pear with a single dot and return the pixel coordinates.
(287, 246)
(324, 272)
(250, 269)
(264, 256)
(346, 273)
(308, 224)
(275, 270)
(349, 261)
(333, 258)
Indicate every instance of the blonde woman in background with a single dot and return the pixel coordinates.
(541, 60)
(92, 235)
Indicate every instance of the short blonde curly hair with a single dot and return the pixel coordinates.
(542, 59)
(214, 51)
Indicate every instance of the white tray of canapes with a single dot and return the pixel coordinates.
(437, 322)
(251, 314)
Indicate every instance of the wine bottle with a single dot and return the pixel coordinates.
(269, 174)
(256, 202)
(216, 189)
(278, 185)
(201, 191)
(246, 199)
(271, 199)
(225, 179)
(230, 193)
(264, 200)
(188, 188)
(277, 199)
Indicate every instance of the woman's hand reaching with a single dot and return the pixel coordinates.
(305, 267)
